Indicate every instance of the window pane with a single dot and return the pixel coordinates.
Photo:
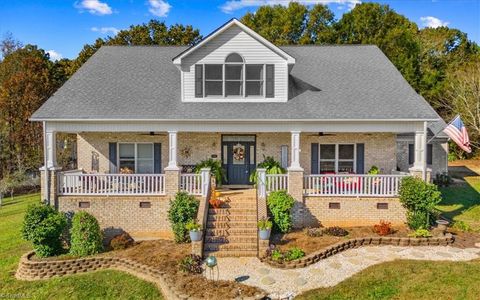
(233, 88)
(126, 151)
(213, 88)
(127, 164)
(252, 154)
(234, 57)
(327, 151)
(327, 167)
(145, 151)
(233, 72)
(145, 167)
(345, 166)
(254, 72)
(254, 88)
(345, 151)
(213, 72)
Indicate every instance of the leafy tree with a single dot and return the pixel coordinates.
(25, 83)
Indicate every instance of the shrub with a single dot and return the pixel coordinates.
(420, 233)
(43, 226)
(215, 169)
(294, 253)
(191, 264)
(183, 208)
(442, 179)
(270, 165)
(336, 231)
(86, 236)
(264, 224)
(384, 228)
(460, 225)
(280, 204)
(420, 199)
(314, 231)
(277, 255)
(121, 241)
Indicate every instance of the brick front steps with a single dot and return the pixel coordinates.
(359, 242)
(232, 229)
(38, 270)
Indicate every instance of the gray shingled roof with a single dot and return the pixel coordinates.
(327, 82)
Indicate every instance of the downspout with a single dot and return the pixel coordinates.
(45, 167)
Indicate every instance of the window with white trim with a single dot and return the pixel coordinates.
(233, 79)
(136, 157)
(337, 158)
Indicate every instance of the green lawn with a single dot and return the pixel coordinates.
(462, 203)
(408, 280)
(96, 285)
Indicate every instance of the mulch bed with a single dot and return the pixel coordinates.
(298, 238)
(165, 255)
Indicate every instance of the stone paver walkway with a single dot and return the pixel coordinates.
(331, 271)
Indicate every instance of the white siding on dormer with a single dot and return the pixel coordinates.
(234, 39)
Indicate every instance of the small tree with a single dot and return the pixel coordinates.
(86, 236)
(280, 205)
(43, 226)
(420, 199)
(182, 210)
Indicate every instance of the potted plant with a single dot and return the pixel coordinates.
(195, 230)
(264, 228)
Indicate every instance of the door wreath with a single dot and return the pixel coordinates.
(238, 152)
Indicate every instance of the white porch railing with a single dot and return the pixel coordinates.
(111, 184)
(191, 183)
(276, 182)
(352, 185)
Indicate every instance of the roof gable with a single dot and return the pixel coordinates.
(177, 60)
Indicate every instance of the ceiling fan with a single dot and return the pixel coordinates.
(322, 134)
(152, 133)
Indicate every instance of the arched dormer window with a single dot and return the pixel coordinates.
(234, 68)
(234, 79)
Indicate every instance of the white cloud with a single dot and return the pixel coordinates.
(94, 7)
(232, 5)
(105, 30)
(159, 8)
(54, 55)
(433, 22)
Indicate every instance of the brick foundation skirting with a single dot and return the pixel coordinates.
(37, 270)
(359, 242)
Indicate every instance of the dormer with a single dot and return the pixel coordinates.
(234, 64)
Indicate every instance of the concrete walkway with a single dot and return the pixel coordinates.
(331, 271)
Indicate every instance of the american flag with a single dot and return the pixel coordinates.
(458, 133)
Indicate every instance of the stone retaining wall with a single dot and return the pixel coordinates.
(355, 243)
(37, 270)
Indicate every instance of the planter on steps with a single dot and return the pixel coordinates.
(195, 235)
(264, 234)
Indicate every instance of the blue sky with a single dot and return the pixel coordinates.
(65, 26)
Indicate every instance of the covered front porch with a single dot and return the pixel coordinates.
(127, 160)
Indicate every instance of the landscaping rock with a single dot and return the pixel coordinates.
(267, 280)
(300, 281)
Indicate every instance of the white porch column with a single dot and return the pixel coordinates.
(172, 151)
(51, 149)
(419, 167)
(295, 145)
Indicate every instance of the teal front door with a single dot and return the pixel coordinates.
(238, 161)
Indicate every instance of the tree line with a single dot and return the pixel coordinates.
(441, 64)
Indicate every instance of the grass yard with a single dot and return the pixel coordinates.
(461, 202)
(407, 280)
(97, 285)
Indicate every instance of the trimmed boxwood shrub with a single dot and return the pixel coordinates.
(183, 209)
(420, 199)
(43, 226)
(280, 204)
(86, 236)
